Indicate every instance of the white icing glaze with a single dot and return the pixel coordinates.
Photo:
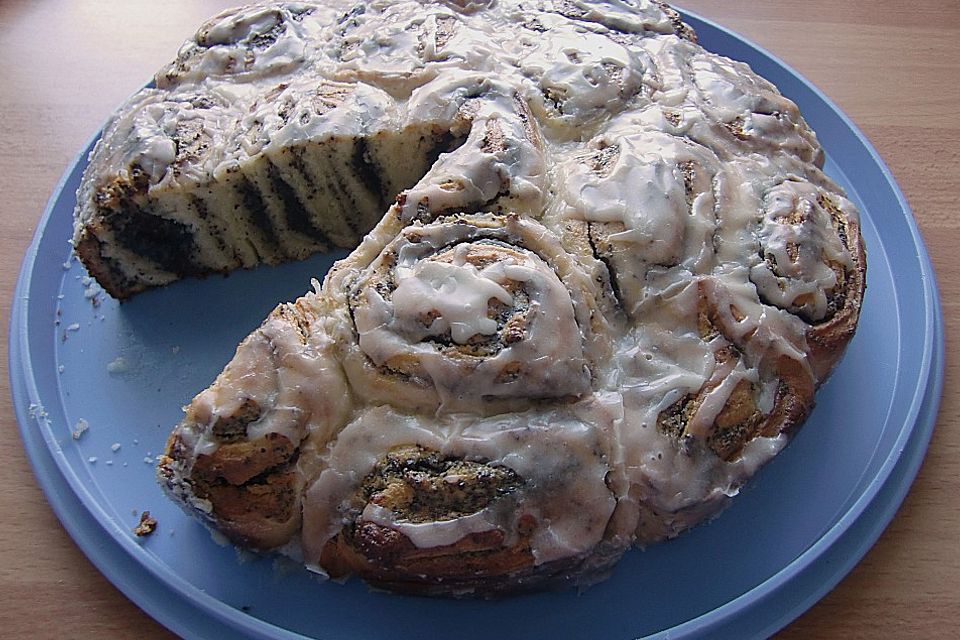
(439, 292)
(584, 76)
(425, 535)
(457, 291)
(302, 393)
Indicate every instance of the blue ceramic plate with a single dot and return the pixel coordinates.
(78, 358)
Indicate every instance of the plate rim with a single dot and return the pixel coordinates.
(23, 385)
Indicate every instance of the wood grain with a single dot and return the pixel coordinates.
(890, 65)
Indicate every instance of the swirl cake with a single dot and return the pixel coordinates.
(597, 276)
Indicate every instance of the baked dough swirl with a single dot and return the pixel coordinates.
(596, 276)
(473, 313)
(458, 504)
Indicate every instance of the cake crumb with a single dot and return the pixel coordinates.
(146, 526)
(36, 411)
(74, 327)
(92, 459)
(118, 365)
(115, 447)
(91, 291)
(80, 428)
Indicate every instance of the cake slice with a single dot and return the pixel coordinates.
(241, 454)
(191, 183)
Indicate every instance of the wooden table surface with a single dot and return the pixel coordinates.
(892, 66)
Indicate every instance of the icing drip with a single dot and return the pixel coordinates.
(510, 319)
(457, 292)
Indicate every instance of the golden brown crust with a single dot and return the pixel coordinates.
(827, 341)
(239, 462)
(736, 423)
(252, 487)
(794, 398)
(235, 459)
(479, 564)
(261, 514)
